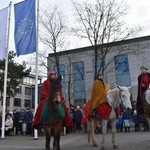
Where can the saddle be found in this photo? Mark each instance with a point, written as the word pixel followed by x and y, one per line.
pixel 50 115
pixel 104 110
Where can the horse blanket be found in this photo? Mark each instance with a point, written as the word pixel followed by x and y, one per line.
pixel 104 110
pixel 55 115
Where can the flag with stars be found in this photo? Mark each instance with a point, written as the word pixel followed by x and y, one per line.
pixel 25 27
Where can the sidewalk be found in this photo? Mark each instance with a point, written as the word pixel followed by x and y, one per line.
pixel 22 142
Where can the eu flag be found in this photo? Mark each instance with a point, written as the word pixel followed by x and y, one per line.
pixel 25 27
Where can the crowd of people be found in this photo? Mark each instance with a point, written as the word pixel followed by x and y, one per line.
pixel 75 119
pixel 18 122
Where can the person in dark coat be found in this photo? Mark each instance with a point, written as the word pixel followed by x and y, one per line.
pixel 126 119
pixel 16 122
pixel 136 121
pixel 77 117
pixel 28 117
pixel 119 123
pixel 143 84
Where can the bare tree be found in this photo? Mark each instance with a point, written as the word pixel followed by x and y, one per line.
pixel 69 81
pixel 53 28
pixel 100 23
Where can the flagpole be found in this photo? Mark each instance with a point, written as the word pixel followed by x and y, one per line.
pixel 36 70
pixel 5 77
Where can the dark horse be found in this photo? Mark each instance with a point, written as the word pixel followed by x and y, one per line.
pixel 54 110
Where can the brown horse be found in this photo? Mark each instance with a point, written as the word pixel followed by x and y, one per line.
pixel 53 115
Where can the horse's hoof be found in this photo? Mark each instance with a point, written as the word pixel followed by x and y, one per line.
pixel 56 148
pixel 95 145
pixel 47 148
pixel 115 146
pixel 103 148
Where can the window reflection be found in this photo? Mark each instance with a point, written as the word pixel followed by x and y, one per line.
pixel 122 70
pixel 78 82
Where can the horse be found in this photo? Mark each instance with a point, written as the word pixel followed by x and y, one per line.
pixel 115 97
pixel 53 115
pixel 146 105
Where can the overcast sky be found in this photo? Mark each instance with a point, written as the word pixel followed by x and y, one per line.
pixel 138 14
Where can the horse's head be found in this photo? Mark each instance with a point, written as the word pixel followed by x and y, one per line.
pixel 124 95
pixel 54 91
pixel 119 95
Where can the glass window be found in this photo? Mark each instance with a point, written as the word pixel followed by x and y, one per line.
pixel 80 102
pixel 79 92
pixel 78 71
pixel 27 103
pixel 99 62
pixel 62 73
pixel 122 70
pixel 27 91
pixel 98 65
pixel 17 102
pixel 18 90
pixel 7 101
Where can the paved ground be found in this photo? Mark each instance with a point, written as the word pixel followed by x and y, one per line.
pixel 126 141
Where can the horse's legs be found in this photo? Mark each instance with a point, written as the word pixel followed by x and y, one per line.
pixel 114 134
pixel 91 124
pixel 47 144
pixel 148 119
pixel 56 144
pixel 93 133
pixel 104 131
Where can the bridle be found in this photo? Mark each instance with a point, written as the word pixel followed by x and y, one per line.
pixel 115 104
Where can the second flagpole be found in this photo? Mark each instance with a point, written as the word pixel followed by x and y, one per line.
pixel 36 70
pixel 5 77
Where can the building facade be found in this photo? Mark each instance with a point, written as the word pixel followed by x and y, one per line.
pixel 25 94
pixel 77 67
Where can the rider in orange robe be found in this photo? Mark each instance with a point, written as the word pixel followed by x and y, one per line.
pixel 99 91
pixel 43 96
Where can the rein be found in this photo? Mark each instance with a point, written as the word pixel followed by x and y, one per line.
pixel 115 104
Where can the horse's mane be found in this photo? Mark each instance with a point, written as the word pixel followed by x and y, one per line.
pixel 114 93
pixel 55 86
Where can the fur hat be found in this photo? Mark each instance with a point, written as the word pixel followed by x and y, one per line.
pixel 144 67
pixel 52 72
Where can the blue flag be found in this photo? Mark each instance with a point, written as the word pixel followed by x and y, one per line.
pixel 25 27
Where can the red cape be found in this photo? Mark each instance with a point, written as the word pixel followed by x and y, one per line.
pixel 43 96
pixel 85 112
